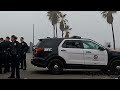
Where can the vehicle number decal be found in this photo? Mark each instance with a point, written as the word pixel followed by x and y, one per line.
pixel 47 49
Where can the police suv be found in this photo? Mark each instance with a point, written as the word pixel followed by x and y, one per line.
pixel 74 53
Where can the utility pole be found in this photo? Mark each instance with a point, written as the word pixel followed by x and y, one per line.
pixel 33 42
pixel 33 34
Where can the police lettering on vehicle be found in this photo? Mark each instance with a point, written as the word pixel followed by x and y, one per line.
pixel 47 49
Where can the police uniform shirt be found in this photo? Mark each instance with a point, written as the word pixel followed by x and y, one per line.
pixel 24 47
pixel 15 47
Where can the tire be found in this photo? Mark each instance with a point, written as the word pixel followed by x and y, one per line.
pixel 55 66
pixel 113 67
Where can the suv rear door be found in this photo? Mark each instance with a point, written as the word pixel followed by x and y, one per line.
pixel 71 51
pixel 49 46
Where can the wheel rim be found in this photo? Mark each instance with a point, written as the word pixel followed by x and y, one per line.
pixel 55 66
pixel 117 67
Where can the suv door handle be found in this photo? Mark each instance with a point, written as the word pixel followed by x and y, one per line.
pixel 63 50
pixel 88 52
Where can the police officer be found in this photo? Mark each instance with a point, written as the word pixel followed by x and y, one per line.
pixel 7 55
pixel 15 57
pixel 24 49
pixel 1 54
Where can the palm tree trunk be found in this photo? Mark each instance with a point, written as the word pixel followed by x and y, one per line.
pixel 62 33
pixel 56 31
pixel 113 36
pixel 53 30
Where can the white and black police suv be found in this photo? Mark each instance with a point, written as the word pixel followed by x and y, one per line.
pixel 74 53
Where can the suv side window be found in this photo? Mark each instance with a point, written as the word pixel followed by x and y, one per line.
pixel 90 45
pixel 72 44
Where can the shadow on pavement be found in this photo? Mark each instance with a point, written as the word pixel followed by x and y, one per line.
pixel 74 72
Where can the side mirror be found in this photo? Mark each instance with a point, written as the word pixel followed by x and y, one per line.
pixel 101 48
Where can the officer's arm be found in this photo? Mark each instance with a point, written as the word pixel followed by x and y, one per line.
pixel 18 48
pixel 26 47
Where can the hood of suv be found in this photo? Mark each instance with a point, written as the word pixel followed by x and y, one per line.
pixel 114 52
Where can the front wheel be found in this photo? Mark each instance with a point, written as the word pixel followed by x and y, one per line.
pixel 55 66
pixel 115 67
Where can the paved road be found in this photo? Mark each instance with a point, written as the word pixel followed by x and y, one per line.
pixel 33 72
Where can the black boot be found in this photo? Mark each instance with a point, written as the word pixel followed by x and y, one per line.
pixel 8 70
pixel 0 71
pixel 17 77
pixel 5 71
pixel 11 77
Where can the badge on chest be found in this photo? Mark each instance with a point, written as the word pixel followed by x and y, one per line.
pixel 22 43
pixel 15 44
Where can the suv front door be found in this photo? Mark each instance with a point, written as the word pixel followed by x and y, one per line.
pixel 93 55
pixel 71 51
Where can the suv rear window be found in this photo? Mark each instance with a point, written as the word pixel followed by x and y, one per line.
pixel 49 43
pixel 37 45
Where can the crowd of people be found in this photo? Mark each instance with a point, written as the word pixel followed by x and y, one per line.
pixel 13 56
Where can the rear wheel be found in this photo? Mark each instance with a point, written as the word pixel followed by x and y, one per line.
pixel 55 66
pixel 115 67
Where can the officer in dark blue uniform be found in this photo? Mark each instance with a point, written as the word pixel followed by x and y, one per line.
pixel 7 55
pixel 0 58
pixel 23 50
pixel 15 57
pixel 1 54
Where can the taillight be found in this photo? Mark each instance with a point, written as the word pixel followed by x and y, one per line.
pixel 38 50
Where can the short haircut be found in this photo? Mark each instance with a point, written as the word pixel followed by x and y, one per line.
pixel 22 38
pixel 8 37
pixel 13 36
pixel 1 38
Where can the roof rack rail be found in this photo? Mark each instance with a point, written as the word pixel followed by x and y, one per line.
pixel 76 37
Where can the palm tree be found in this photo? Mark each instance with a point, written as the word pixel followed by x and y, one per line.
pixel 67 28
pixel 54 18
pixel 63 23
pixel 109 16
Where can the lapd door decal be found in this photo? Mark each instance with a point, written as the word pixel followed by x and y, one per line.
pixel 95 57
